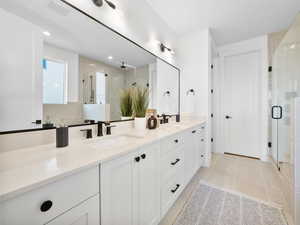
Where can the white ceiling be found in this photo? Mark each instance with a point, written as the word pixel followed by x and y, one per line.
pixel 229 20
pixel 76 32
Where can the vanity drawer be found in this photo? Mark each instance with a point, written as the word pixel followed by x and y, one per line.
pixel 172 143
pixel 171 161
pixel 170 191
pixel 41 205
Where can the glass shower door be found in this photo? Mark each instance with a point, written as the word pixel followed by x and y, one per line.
pixel 285 89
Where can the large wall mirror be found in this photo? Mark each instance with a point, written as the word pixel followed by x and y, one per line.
pixel 58 65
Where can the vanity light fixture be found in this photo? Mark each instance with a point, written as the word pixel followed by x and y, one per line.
pixel 163 48
pixel 99 3
pixel 47 33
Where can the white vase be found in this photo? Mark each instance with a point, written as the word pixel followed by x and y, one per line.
pixel 126 117
pixel 140 123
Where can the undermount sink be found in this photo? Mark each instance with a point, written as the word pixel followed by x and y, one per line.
pixel 112 141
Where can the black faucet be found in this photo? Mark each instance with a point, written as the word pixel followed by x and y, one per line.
pixel 165 118
pixel 89 133
pixel 108 128
pixel 100 128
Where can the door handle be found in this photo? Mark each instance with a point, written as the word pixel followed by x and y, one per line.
pixel 273 112
pixel 228 117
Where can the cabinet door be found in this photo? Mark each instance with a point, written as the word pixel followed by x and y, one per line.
pixel 148 186
pixel 118 191
pixel 190 155
pixel 87 213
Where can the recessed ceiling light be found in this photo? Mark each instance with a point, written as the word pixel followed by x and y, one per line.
pixel 46 33
pixel 110 57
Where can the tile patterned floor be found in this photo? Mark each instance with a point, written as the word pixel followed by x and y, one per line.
pixel 256 179
pixel 209 205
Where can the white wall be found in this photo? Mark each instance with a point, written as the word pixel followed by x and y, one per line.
pixel 136 20
pixel 72 60
pixel 20 69
pixel 256 44
pixel 167 78
pixel 194 59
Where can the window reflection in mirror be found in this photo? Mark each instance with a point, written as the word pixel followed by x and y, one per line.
pixel 54 82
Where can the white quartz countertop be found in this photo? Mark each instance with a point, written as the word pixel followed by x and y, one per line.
pixel 26 169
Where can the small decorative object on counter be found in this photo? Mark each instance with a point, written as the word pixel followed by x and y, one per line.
pixel 152 123
pixel 152 114
pixel 62 136
pixel 48 123
pixel 178 118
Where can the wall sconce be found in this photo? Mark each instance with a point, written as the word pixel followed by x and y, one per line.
pixel 167 93
pixel 192 91
pixel 163 48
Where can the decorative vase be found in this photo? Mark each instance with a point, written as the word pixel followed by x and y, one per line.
pixel 140 123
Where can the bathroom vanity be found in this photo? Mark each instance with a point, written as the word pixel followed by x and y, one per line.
pixel 121 179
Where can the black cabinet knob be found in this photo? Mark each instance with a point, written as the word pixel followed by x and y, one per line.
pixel 176 140
pixel 137 159
pixel 46 205
pixel 202 140
pixel 202 156
pixel 143 156
pixel 193 131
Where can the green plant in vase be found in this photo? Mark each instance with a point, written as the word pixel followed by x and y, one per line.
pixel 126 103
pixel 140 105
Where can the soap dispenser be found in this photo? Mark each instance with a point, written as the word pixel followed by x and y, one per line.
pixel 62 136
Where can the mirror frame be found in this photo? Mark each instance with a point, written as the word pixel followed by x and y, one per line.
pixel 124 37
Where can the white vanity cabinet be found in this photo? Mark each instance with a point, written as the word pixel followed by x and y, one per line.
pixel 71 200
pixel 130 188
pixel 194 151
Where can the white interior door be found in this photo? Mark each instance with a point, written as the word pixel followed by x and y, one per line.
pixel 241 103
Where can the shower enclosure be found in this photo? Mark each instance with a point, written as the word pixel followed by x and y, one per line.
pixel 285 91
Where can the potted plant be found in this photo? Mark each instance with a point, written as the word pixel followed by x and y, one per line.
pixel 140 105
pixel 126 104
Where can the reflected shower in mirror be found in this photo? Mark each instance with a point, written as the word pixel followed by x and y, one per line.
pixel 59 66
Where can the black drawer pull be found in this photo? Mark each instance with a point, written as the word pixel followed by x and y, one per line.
pixel 143 156
pixel 174 190
pixel 46 205
pixel 174 163
pixel 176 140
pixel 193 131
pixel 202 128
pixel 137 159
